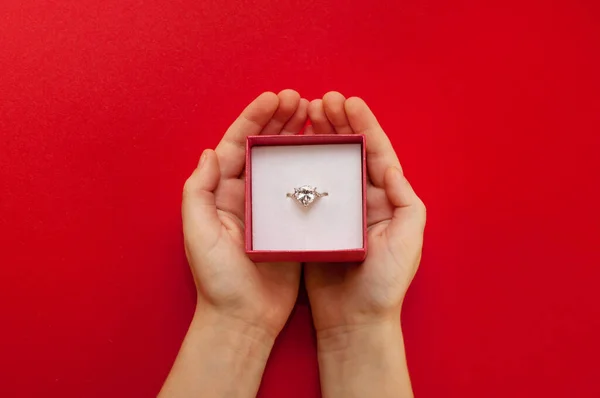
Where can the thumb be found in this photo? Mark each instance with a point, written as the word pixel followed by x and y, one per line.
pixel 199 210
pixel 408 221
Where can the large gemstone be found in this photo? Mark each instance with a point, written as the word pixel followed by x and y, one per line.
pixel 305 195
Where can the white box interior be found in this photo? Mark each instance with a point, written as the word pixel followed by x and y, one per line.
pixel 332 222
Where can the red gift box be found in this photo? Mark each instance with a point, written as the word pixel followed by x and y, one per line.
pixel 356 254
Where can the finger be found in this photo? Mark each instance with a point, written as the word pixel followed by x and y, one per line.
pixel 409 211
pixel 333 104
pixel 298 120
pixel 316 114
pixel 199 210
pixel 380 152
pixel 232 148
pixel 379 208
pixel 288 104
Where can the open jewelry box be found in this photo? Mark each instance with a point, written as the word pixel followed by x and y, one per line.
pixel 306 198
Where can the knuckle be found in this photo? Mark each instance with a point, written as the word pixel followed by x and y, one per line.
pixel 422 207
pixel 423 213
pixel 189 186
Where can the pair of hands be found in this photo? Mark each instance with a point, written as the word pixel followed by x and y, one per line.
pixel 343 297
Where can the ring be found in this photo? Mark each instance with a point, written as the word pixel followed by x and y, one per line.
pixel 306 195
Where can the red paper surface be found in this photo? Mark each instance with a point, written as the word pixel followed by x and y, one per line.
pixel 492 106
pixel 303 256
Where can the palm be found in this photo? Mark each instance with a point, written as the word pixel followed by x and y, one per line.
pixel 371 287
pixel 225 276
pixel 265 285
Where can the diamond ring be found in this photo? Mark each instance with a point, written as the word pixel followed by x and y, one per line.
pixel 306 195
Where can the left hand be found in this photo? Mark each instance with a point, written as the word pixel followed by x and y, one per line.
pixel 230 286
pixel 345 297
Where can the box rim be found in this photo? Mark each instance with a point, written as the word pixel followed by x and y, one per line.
pixel 288 140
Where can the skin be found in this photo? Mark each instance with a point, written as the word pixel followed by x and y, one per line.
pixel 356 307
pixel 242 306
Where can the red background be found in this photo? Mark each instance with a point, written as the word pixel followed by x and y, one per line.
pixel 493 107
